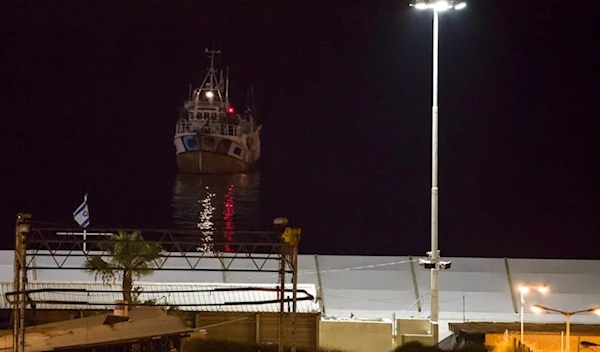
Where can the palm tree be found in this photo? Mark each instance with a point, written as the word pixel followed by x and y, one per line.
pixel 129 257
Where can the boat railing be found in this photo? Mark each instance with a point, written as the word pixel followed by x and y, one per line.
pixel 225 129
pixel 184 126
pixel 215 128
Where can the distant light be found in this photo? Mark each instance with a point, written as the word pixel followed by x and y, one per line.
pixel 536 309
pixel 230 110
pixel 596 311
pixel 281 221
pixel 210 94
pixel 524 289
pixel 460 6
pixel 441 5
pixel 421 6
pixel 543 289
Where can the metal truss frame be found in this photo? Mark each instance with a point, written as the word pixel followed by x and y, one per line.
pixel 33 240
pixel 256 248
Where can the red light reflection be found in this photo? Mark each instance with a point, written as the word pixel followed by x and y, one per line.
pixel 228 214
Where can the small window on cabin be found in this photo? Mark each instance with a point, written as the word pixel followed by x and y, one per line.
pixel 237 151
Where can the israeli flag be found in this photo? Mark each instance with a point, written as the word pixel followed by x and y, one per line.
pixel 82 215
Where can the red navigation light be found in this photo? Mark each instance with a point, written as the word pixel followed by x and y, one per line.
pixel 230 110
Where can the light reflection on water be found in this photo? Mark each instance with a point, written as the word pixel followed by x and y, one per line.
pixel 217 202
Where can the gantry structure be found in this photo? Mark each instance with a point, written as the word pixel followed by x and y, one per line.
pixel 249 251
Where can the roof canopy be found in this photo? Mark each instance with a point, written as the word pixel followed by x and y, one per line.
pixel 144 322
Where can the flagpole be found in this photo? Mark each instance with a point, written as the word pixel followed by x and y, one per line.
pixel 84 229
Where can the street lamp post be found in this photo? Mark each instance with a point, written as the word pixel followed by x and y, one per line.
pixel 433 261
pixel 538 308
pixel 523 290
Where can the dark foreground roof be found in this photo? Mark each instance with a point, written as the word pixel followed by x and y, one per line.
pixel 499 328
pixel 106 329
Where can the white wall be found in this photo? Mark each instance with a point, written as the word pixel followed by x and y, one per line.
pixel 379 286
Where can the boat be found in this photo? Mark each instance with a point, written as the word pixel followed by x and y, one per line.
pixel 211 137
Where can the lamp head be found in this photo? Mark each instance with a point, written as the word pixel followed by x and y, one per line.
pixel 536 308
pixel 461 5
pixel 543 289
pixel 439 5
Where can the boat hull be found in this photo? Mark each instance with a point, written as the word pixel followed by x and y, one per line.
pixel 216 154
pixel 210 163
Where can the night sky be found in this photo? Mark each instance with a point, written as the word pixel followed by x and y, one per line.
pixel 90 93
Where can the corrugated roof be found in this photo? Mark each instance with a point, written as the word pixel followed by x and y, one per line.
pixel 474 289
pixel 212 298
pixel 499 328
pixel 146 322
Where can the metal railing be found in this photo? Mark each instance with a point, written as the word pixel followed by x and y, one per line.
pixel 214 128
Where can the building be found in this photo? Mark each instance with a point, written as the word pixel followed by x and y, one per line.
pixel 225 311
pixel 396 287
pixel 543 337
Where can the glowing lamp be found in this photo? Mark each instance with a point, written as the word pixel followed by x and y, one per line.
pixel 210 94
pixel 441 5
pixel 230 110
pixel 460 6
pixel 537 309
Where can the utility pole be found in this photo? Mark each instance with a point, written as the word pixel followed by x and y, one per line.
pixel 289 256
pixel 20 281
pixel 433 262
pixel 291 236
pixel 16 287
pixel 281 338
pixel 280 224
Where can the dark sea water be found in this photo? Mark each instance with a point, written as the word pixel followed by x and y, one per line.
pixel 340 208
pixel 339 211
pixel 226 202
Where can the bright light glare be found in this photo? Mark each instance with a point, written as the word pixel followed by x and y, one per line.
pixel 596 311
pixel 441 5
pixel 523 289
pixel 536 309
pixel 210 94
pixel 460 6
pixel 543 289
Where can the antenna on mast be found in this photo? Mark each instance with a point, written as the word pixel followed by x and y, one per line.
pixel 250 107
pixel 211 82
pixel 211 55
pixel 250 99
pixel 227 87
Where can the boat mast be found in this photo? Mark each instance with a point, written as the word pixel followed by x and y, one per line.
pixel 227 88
pixel 210 82
pixel 250 106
